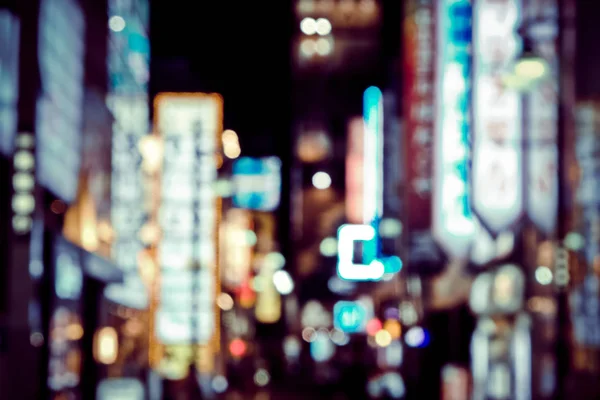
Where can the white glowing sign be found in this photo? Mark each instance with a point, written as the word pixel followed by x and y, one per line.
pixel 347 269
pixel 374 264
pixel 190 124
pixel 453 221
pixel 542 117
pixel 127 180
pixel 9 79
pixel 59 119
pixel 497 151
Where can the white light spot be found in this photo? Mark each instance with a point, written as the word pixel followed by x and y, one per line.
pixel 36 268
pixel 328 247
pixel 283 282
pixel 250 238
pixel 321 180
pixel 274 261
pixel 308 26
pixel 308 47
pixel 219 384
pixel 390 228
pixel 323 46
pixel 261 377
pixel 383 338
pixel 225 302
pixel 291 346
pixel 574 241
pixel 323 26
pixel 415 336
pixel 543 275
pixel 24 160
pixel 232 151
pixel 23 203
pixel 116 23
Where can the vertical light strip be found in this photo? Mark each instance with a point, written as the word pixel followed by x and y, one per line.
pixel 453 221
pixel 497 117
pixel 354 170
pixel 373 168
pixel 542 123
pixel 373 263
pixel 373 155
pixel 186 254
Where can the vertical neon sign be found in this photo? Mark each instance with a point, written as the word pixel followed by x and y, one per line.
pixel 497 150
pixel 373 166
pixel 374 264
pixel 453 221
pixel 542 121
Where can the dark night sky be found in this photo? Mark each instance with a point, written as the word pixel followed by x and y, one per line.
pixel 236 48
pixel 241 50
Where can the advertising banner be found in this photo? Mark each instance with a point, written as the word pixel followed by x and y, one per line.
pixel 542 120
pixel 418 70
pixel 9 79
pixel 128 213
pixel 59 120
pixel 453 221
pixel 497 169
pixel 190 125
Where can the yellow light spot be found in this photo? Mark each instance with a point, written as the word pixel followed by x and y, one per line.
pixel 383 338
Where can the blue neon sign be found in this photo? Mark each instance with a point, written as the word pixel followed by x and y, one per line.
pixel 454 224
pixel 257 183
pixel 349 316
pixel 374 263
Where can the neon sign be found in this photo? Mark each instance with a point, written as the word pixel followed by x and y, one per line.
pixel 453 221
pixel 374 264
pixel 542 120
pixel 497 153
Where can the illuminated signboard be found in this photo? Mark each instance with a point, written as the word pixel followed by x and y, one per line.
pixel 127 189
pixel 542 123
pixel 59 109
pixel 453 220
pixel 584 297
pixel 9 79
pixel 237 243
pixel 354 166
pixel 66 331
pixel 497 119
pixel 120 389
pixel 350 316
pixel 374 264
pixel 190 125
pixel 129 48
pixel 418 112
pixel 257 183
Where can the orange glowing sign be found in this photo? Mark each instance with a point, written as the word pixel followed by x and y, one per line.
pixel 354 171
pixel 183 304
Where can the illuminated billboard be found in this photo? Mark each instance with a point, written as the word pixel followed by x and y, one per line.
pixel 257 183
pixel 497 117
pixel 128 214
pixel 237 244
pixel 59 119
pixel 418 95
pixel 354 166
pixel 185 314
pixel 542 123
pixel 453 223
pixel 9 79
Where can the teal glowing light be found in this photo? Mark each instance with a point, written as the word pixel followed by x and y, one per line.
pixel 374 264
